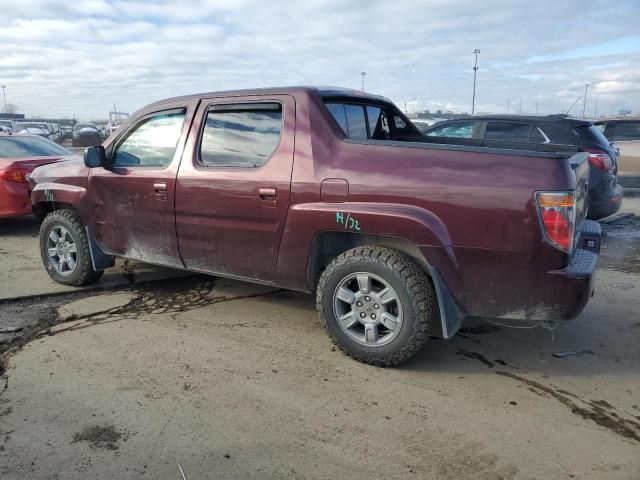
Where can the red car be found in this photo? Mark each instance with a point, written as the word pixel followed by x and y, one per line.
pixel 19 155
pixel 336 193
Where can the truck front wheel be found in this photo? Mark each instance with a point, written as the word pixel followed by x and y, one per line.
pixel 64 248
pixel 377 305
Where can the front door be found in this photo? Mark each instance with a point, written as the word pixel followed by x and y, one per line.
pixel 133 201
pixel 233 187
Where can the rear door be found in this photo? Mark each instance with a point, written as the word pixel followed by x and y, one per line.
pixel 133 201
pixel 233 187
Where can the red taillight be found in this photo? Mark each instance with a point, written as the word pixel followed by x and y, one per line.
pixel 558 215
pixel 600 160
pixel 558 228
pixel 13 175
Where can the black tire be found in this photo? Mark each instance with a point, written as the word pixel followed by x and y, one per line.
pixel 83 274
pixel 415 292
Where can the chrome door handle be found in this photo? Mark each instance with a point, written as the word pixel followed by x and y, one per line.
pixel 266 193
pixel 160 190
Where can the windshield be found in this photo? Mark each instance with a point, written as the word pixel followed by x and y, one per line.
pixel 16 147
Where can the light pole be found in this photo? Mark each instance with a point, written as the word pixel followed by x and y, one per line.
pixel 364 74
pixel 4 96
pixel 476 51
pixel 584 104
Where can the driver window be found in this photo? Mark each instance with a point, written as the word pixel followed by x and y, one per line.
pixel 152 143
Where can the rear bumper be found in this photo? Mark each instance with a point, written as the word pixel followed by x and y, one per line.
pixel 578 277
pixel 540 285
pixel 14 199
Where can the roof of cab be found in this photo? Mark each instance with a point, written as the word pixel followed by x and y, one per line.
pixel 332 92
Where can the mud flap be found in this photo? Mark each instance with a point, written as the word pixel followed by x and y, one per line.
pixel 450 315
pixel 99 259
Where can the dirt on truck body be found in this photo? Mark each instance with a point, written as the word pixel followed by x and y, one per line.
pixel 333 192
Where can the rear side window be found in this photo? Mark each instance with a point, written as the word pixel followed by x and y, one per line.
pixel 240 135
pixel 337 111
pixel 509 131
pixel 626 131
pixel 351 119
pixel 356 122
pixel 452 130
pixel 374 122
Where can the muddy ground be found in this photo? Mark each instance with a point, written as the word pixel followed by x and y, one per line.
pixel 222 379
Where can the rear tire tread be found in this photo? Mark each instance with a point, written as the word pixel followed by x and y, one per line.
pixel 419 288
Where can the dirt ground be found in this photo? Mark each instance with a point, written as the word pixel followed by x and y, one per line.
pixel 221 379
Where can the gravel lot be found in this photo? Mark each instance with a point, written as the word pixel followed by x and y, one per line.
pixel 228 380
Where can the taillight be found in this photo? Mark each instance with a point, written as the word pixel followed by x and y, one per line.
pixel 558 216
pixel 13 175
pixel 600 160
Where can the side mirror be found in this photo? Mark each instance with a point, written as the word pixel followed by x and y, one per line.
pixel 95 157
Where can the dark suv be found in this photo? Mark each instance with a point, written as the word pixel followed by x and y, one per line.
pixel 605 194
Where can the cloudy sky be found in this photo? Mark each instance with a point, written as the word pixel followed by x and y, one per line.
pixel 81 56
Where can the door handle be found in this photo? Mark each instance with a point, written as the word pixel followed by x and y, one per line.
pixel 160 190
pixel 268 194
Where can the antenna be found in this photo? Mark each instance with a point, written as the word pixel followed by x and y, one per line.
pixel 574 104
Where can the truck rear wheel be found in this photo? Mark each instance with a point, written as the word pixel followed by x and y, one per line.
pixel 64 248
pixel 377 305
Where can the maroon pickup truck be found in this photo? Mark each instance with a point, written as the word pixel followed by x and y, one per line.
pixel 333 192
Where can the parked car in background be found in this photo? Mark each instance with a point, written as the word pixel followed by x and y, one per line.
pixel 605 194
pixel 334 192
pixel 67 132
pixel 58 131
pixel 6 125
pixel 19 155
pixel 32 128
pixel 624 134
pixel 86 135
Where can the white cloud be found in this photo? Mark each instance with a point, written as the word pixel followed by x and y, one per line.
pixel 82 56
